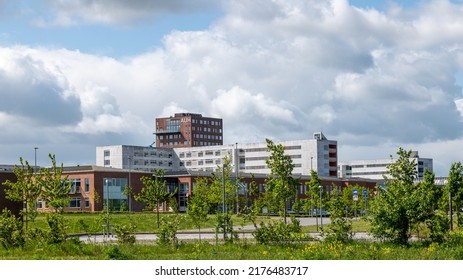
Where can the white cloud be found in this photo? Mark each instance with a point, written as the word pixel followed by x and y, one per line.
pixel 116 12
pixel 278 69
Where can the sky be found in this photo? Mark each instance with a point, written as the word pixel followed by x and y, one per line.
pixel 373 75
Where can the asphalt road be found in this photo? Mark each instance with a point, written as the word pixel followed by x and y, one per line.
pixel 208 234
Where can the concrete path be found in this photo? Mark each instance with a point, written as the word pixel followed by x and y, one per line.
pixel 206 234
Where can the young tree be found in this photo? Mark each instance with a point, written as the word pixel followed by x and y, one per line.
pixel 154 192
pixel 399 208
pixel 56 189
pixel 313 192
pixel 280 183
pixel 25 189
pixel 340 228
pixel 455 189
pixel 197 211
pixel 128 191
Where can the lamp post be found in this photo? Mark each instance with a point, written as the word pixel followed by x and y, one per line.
pixel 236 177
pixel 224 206
pixel 35 159
pixel 130 186
pixel 107 205
pixel 321 216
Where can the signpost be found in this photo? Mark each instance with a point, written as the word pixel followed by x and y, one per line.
pixel 365 197
pixel 355 197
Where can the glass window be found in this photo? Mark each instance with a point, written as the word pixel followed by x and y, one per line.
pixel 75 202
pixel 87 203
pixel 112 191
pixel 87 184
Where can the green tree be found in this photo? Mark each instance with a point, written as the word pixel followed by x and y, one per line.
pixel 128 191
pixel 280 183
pixel 340 227
pixel 25 190
pixel 56 189
pixel 154 192
pixel 455 189
pixel 399 209
pixel 197 211
pixel 313 192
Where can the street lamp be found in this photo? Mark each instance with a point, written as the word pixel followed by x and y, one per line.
pixel 107 205
pixel 224 206
pixel 35 159
pixel 321 216
pixel 130 190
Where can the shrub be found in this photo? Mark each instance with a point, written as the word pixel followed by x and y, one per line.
pixel 167 234
pixel 115 253
pixel 125 234
pixel 11 233
pixel 57 228
pixel 438 226
pixel 278 232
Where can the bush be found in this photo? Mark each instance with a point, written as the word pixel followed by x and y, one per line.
pixel 438 226
pixel 125 234
pixel 167 234
pixel 278 232
pixel 57 225
pixel 115 253
pixel 11 233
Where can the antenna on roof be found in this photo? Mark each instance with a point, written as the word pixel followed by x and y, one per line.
pixel 151 145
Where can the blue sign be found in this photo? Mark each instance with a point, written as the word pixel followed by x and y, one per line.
pixel 355 192
pixel 365 194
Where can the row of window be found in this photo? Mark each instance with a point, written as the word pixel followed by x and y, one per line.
pixel 207 136
pixel 207 122
pixel 265 158
pixel 75 202
pixel 200 154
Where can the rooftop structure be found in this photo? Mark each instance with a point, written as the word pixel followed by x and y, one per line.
pixel 319 154
pixel 377 169
pixel 188 130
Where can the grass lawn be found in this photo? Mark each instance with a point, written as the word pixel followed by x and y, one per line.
pixel 72 250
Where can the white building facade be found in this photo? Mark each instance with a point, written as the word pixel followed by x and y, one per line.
pixel 377 169
pixel 143 158
pixel 319 154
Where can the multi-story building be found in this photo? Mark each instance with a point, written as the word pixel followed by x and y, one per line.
pixel 188 130
pixel 319 154
pixel 144 158
pixel 94 187
pixel 378 169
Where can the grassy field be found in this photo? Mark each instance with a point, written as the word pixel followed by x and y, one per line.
pixel 242 249
pixel 73 250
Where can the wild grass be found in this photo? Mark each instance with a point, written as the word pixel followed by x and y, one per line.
pixel 75 250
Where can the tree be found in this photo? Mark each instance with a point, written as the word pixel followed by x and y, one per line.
pixel 399 209
pixel 313 192
pixel 128 191
pixel 197 211
pixel 455 189
pixel 154 192
pixel 340 228
pixel 25 189
pixel 56 189
pixel 280 182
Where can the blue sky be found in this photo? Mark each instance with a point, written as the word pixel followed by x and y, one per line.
pixel 373 75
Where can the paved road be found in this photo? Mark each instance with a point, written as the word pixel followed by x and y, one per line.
pixel 208 234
